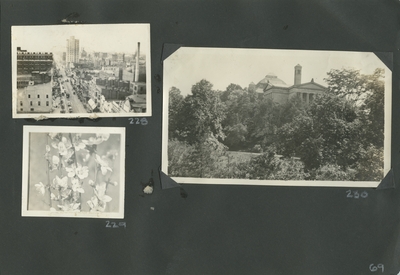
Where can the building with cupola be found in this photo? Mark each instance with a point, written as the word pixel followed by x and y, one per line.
pixel 277 90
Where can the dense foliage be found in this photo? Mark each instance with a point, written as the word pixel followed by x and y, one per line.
pixel 238 133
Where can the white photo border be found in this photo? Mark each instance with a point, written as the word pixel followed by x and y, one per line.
pixel 298 183
pixel 27 129
pixel 148 113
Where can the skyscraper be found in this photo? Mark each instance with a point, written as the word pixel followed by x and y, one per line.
pixel 72 50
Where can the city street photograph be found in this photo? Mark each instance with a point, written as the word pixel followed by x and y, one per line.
pixel 73 172
pixel 71 71
pixel 276 117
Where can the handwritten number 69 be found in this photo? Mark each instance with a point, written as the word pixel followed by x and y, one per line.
pixel 374 268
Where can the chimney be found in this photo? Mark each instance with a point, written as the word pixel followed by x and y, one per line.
pixel 137 63
pixel 297 75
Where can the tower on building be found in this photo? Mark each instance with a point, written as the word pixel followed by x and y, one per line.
pixel 297 74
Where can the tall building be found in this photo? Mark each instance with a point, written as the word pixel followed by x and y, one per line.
pixel 84 53
pixel 72 50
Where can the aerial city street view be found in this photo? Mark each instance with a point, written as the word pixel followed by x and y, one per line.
pixel 80 79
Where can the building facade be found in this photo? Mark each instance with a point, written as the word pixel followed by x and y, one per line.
pixel 277 90
pixel 72 50
pixel 28 62
pixel 35 98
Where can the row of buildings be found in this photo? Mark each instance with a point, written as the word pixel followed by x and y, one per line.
pixel 96 60
pixel 121 79
pixel 118 88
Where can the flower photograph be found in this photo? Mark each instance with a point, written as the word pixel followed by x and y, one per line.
pixel 276 117
pixel 73 172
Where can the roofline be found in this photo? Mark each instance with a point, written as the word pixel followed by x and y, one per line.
pixel 302 84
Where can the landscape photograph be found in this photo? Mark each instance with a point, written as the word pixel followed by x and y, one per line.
pixel 276 117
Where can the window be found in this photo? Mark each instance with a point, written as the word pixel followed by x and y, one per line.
pixel 47 103
pixel 32 109
pixel 21 104
pixel 22 109
pixel 38 103
pixel 29 96
pixel 38 96
pixel 47 96
pixel 31 103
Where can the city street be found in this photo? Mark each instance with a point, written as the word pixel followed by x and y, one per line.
pixel 76 104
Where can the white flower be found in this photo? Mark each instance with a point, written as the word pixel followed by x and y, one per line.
pixel 53 135
pixel 70 171
pixel 77 142
pixel 100 192
pixel 62 146
pixel 96 205
pixel 96 140
pixel 103 137
pixel 76 186
pixel 103 165
pixel 63 183
pixel 79 146
pixel 82 171
pixel 48 148
pixel 56 160
pixel 92 141
pixel 40 188
pixel 54 197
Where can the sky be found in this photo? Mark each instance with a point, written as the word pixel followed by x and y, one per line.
pixel 120 38
pixel 223 66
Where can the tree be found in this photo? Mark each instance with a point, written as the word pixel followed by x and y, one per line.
pixel 365 91
pixel 202 114
pixel 340 131
pixel 374 108
pixel 174 113
pixel 231 88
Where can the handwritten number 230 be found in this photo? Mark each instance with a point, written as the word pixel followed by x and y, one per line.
pixel 356 194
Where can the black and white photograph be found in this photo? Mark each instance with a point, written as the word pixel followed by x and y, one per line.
pixel 276 117
pixel 70 71
pixel 73 172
